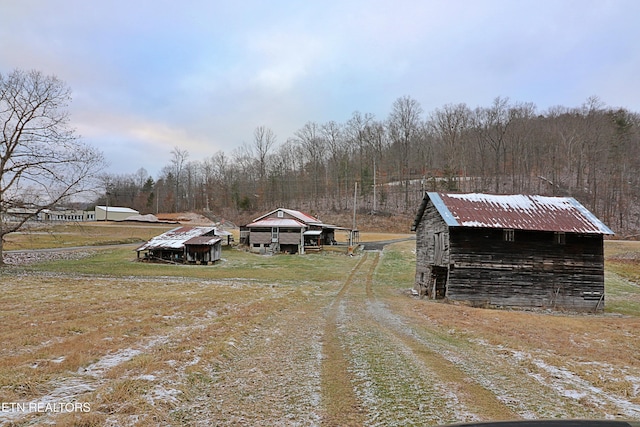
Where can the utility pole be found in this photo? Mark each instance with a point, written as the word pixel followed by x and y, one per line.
pixel 106 211
pixel 355 194
pixel 353 230
pixel 375 205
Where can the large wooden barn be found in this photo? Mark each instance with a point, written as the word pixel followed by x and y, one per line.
pixel 510 250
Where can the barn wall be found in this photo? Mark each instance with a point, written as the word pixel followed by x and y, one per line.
pixel 430 226
pixel 203 253
pixel 531 271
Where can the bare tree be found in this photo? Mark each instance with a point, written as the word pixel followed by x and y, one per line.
pixel 42 160
pixel 492 125
pixel 312 144
pixel 404 125
pixel 333 135
pixel 356 133
pixel 141 177
pixel 178 159
pixel 222 176
pixel 449 125
pixel 263 141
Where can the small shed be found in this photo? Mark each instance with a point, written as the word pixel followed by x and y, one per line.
pixel 196 245
pixel 510 250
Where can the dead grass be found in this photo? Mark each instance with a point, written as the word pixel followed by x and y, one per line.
pixel 302 340
pixel 340 403
pixel 42 236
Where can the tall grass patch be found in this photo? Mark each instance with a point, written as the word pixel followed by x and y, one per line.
pixel 397 266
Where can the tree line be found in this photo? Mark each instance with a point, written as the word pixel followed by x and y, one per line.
pixel 589 152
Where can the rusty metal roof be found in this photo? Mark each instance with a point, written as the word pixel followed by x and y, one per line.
pixel 277 222
pixel 203 240
pixel 518 212
pixel 300 216
pixel 176 238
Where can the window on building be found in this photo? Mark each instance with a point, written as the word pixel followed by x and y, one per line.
pixel 508 235
pixel 280 214
pixel 559 238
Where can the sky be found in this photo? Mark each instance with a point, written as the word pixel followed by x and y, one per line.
pixel 201 75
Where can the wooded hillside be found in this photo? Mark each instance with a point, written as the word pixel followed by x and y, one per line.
pixel 591 152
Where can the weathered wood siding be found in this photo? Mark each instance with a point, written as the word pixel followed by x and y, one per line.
pixel 432 245
pixel 203 253
pixel 531 271
pixel 534 270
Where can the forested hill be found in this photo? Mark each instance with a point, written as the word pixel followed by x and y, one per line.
pixel 591 153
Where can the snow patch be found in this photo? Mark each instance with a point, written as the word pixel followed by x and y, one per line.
pixel 570 385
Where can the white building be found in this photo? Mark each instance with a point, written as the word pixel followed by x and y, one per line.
pixel 114 213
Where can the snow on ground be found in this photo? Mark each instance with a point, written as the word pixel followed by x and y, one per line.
pixel 566 383
pixel 93 376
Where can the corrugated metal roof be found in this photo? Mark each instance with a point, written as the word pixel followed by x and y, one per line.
pixel 303 217
pixel 519 212
pixel 176 238
pixel 203 240
pixel 118 209
pixel 306 218
pixel 277 222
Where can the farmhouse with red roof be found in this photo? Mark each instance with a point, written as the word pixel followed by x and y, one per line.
pixel 287 230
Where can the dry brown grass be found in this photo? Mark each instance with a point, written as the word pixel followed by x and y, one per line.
pixel 41 236
pixel 58 328
pixel 344 342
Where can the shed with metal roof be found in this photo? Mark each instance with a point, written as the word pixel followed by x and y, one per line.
pixel 510 250
pixel 197 245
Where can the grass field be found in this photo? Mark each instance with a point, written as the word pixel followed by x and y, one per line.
pixel 83 234
pixel 320 339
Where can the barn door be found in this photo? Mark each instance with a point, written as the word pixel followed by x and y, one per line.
pixel 439 276
pixel 438 248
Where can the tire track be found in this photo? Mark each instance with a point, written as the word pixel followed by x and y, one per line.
pixel 340 403
pixel 480 402
pixel 465 397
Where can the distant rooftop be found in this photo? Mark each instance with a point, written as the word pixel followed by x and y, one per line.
pixel 117 209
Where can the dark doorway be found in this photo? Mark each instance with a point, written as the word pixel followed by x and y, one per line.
pixel 439 277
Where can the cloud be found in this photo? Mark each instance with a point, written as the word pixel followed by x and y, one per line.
pixel 149 75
